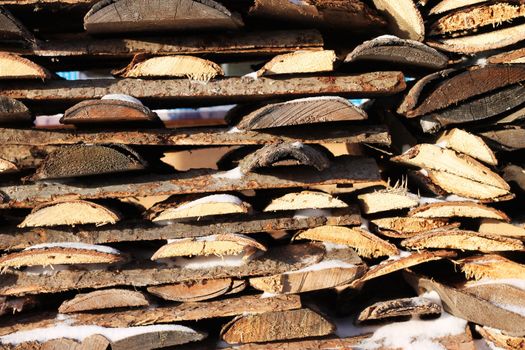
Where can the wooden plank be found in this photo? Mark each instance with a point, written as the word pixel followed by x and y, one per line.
pixel 196 136
pixel 14 238
pixel 278 260
pixel 344 170
pixel 227 90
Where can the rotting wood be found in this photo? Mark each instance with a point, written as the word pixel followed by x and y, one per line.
pixel 299 62
pixel 457 209
pixel 103 299
pixel 511 138
pixel 386 200
pixel 13 111
pixel 305 200
pixel 464 142
pixel 403 17
pixel 16 67
pixel 142 231
pixel 193 290
pixel 491 266
pixel 303 111
pixel 399 308
pixel 277 260
pixel 277 325
pixel 496 227
pixel 405 227
pixel 123 16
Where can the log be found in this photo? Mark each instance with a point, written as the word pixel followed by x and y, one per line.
pixel 344 170
pixel 462 240
pixel 305 200
pixel 464 142
pixel 11 30
pixel 299 62
pixel 386 200
pixel 511 138
pixel 278 260
pixel 303 111
pixel 192 291
pixel 508 57
pixel 399 308
pixel 449 5
pixel 141 231
pixel 507 296
pixel 227 90
pixel 7 167
pixel 103 299
pixel 405 227
pixel 124 16
pixel 365 243
pixel 330 343
pixel 278 325
pixel 401 52
pixel 496 227
pixel 70 213
pixel 457 209
pixel 491 266
pixel 95 342
pixel 16 67
pixel 404 19
pixel 13 111
pixel 176 66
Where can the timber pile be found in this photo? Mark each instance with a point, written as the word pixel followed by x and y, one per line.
pixel 363 192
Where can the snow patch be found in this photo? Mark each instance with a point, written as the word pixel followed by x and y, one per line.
pixel 209 262
pixel 429 125
pixel 76 245
pixel 252 75
pixel 311 213
pixel 267 295
pixel 234 130
pixel 297 144
pixel 442 144
pixel 233 174
pixel 329 246
pixel 122 97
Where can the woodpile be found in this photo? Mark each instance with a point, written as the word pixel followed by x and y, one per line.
pixel 262 174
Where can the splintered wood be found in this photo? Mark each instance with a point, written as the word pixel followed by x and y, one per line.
pixel 273 174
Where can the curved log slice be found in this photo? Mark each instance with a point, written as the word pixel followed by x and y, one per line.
pixel 110 109
pixel 176 66
pixel 305 200
pixel 462 240
pixel 365 243
pixel 449 5
pixel 496 227
pixel 464 142
pixel 393 50
pixel 219 245
pixel 399 308
pixel 62 254
pixel 188 207
pixel 13 111
pixel 339 266
pixel 404 18
pixel 303 111
pixel 123 16
pixel 16 67
pixel 299 62
pixel 11 30
pixel 192 291
pixel 465 209
pixel 501 340
pixel 7 167
pixel 405 227
pixel 88 160
pixel 104 299
pixel 70 213
pixel 286 153
pixel 386 200
pixel 277 325
pixel 491 266
pixel 508 57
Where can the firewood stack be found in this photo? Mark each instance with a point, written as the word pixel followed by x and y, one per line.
pixel 359 183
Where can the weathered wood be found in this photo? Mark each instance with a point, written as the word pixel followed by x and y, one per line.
pixel 405 53
pixel 399 308
pixel 157 339
pixel 95 342
pixel 496 227
pixel 16 67
pixel 122 16
pixel 142 231
pixel 457 209
pixel 103 299
pixel 405 227
pixel 491 266
pixel 13 111
pixel 277 325
pixel 305 200
pixel 511 138
pixel 464 142
pixel 404 19
pixel 277 260
pixel 299 62
pixel 193 290
pixel 227 90
pixel 318 344
pixel 386 200
pixel 508 57
pixel 12 30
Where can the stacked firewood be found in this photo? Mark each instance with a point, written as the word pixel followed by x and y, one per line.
pixel 330 191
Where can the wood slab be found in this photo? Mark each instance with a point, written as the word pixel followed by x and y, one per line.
pixel 404 19
pixel 299 62
pixel 491 266
pixel 16 67
pixel 192 291
pixel 464 142
pixel 13 111
pixel 103 299
pixel 511 138
pixel 464 209
pixel 448 5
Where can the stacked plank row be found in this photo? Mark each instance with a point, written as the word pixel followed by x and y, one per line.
pixel 363 192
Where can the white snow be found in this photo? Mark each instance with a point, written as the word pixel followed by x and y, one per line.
pixel 423 172
pixel 329 246
pixel 323 265
pixel 252 75
pixel 402 254
pixel 297 144
pixel 76 245
pixel 122 97
pixel 266 295
pixel 233 174
pixel 209 262
pixel 234 130
pixel 365 224
pixel 214 198
pixel 79 333
pixel 311 213
pixel 517 309
pixel 456 198
pixel 442 144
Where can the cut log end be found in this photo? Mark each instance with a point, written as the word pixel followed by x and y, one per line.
pixel 300 62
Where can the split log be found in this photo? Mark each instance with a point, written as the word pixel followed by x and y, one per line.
pixel 508 57
pixel 140 231
pixel 457 209
pixel 192 291
pixel 249 304
pixel 219 245
pixel 62 254
pixel 87 160
pixel 404 18
pixel 158 339
pixel 329 343
pixel 511 138
pixel 277 260
pixel 504 295
pixel 365 243
pixel 496 227
pixel 197 207
pixel 278 325
pixel 177 66
pixel 464 142
pixel 501 340
pixel 405 227
pixel 108 111
pixel 305 200
pixel 227 90
pixel 348 15
pixel 303 111
pixel 449 5
pixel 11 30
pixel 405 53
pixel 399 308
pixel 7 167
pixel 463 240
pixel 16 67
pixel 71 213
pixel 13 111
pixel 339 266
pixel 123 16
pixel 296 153
pixel 491 267
pixel 386 200
pixel 299 62
pixel 103 299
